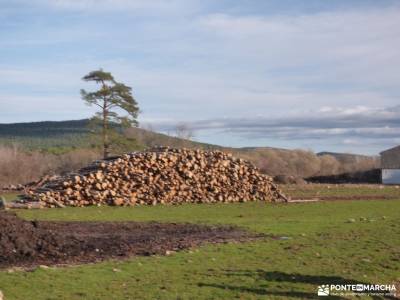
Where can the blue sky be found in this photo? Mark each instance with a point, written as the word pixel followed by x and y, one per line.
pixel 315 74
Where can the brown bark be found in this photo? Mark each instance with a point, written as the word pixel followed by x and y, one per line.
pixel 106 144
pixel 105 133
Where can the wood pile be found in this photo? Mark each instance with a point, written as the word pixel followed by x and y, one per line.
pixel 159 176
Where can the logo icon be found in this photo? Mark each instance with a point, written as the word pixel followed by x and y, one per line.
pixel 323 290
pixel 359 287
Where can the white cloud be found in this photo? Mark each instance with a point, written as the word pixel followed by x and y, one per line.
pixel 368 122
pixel 51 79
pixel 138 6
pixel 340 46
pixel 27 108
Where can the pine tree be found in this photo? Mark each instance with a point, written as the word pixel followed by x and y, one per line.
pixel 111 96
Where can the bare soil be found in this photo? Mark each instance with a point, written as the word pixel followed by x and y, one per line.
pixel 32 243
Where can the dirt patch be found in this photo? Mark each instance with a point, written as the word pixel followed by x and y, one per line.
pixel 28 244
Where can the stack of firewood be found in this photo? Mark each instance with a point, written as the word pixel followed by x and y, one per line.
pixel 159 176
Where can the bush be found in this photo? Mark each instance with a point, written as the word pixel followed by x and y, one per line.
pixel 302 163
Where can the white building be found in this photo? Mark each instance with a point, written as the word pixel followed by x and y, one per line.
pixel 390 165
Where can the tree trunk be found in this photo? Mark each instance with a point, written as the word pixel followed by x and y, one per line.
pixel 105 133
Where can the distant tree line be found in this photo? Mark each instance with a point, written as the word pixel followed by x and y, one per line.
pixel 44 129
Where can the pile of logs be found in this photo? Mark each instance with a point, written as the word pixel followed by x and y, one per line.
pixel 159 176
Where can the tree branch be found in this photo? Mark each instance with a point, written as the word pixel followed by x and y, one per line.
pixel 98 105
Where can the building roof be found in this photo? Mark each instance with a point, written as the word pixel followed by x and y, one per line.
pixel 391 149
pixel 390 159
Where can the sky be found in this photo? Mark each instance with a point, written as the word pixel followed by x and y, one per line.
pixel 313 74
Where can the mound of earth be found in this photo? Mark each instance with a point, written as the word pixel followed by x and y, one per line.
pixel 31 243
pixel 160 176
pixel 24 242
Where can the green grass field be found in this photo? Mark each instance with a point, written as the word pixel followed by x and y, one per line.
pixel 343 191
pixel 324 242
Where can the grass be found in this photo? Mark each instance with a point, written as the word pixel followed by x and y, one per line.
pixel 324 242
pixel 9 196
pixel 345 191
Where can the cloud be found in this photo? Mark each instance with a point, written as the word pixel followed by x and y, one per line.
pixel 137 6
pixel 323 124
pixel 28 108
pixel 338 47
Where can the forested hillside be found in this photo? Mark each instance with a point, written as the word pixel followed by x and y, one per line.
pixel 46 129
pixel 46 136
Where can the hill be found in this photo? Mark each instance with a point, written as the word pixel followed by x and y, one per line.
pixel 44 129
pixel 48 136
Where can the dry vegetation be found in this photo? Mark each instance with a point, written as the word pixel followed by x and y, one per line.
pixel 302 163
pixel 18 166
